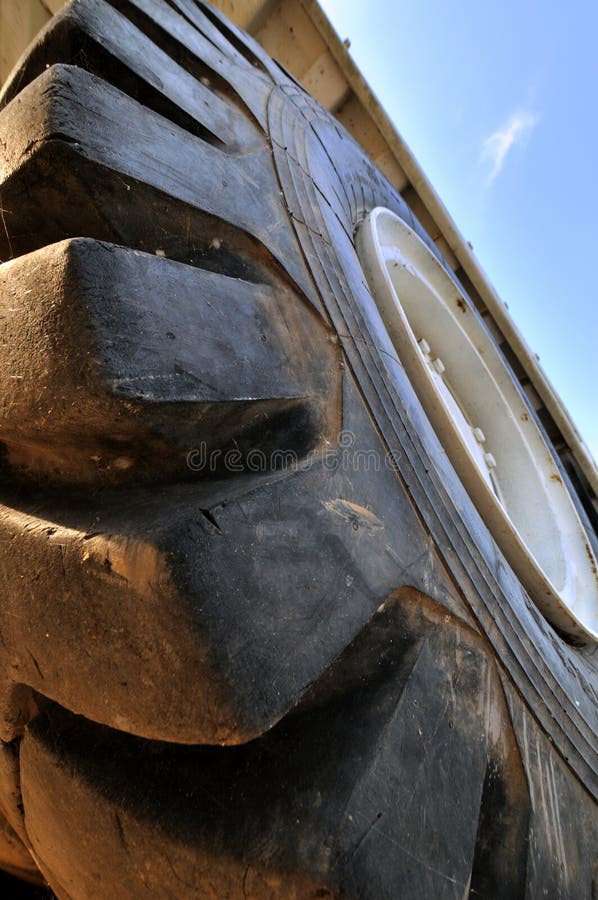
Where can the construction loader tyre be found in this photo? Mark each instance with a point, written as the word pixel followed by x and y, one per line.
pixel 257 638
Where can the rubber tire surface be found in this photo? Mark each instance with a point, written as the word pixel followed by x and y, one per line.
pixel 304 668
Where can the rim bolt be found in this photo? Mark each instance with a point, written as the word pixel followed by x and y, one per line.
pixel 439 366
pixel 424 346
pixel 479 435
pixel 490 461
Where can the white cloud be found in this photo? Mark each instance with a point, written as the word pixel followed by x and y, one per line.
pixel 516 129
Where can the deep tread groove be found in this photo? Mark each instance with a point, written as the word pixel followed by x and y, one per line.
pixel 69 42
pixel 178 51
pixel 226 33
pixel 499 868
pixel 202 26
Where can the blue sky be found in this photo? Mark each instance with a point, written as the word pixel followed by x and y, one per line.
pixel 498 103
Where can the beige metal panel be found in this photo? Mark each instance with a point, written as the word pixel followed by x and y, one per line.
pixel 423 215
pixel 533 396
pixel 493 327
pixel 20 20
pixel 289 35
pixel 247 14
pixel 325 81
pixel 450 258
pixel 53 6
pixel 358 122
pixel 388 163
pixel 416 204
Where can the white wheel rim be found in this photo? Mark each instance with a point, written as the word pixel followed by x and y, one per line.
pixel 477 411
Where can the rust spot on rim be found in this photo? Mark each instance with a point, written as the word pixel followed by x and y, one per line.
pixel 591 558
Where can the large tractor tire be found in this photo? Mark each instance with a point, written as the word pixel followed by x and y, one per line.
pixel 257 639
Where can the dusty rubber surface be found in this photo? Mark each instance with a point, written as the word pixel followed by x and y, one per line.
pixel 256 640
